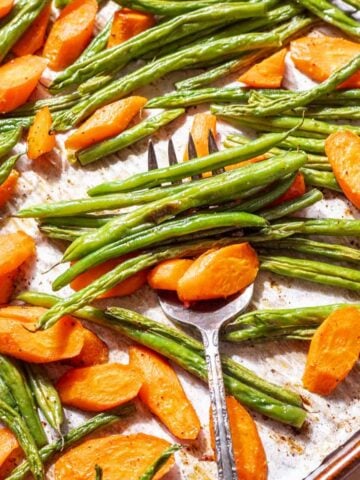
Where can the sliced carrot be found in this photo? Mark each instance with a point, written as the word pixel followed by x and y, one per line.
pixel 127 287
pixel 334 350
pixel 164 395
pixel 7 287
pixel 106 122
pixel 7 188
pixel 5 7
pixel 34 37
pixel 267 74
pixel 128 23
pixel 296 189
pixel 99 387
pixel 319 57
pixel 71 33
pixel 343 150
pixel 120 457
pixel 219 273
pixel 249 452
pixel 40 140
pixel 166 275
pixel 203 123
pixel 244 163
pixel 24 314
pixel 10 452
pixel 15 249
pixel 94 351
pixel 18 79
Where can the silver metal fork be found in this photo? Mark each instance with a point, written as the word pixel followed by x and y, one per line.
pixel 208 317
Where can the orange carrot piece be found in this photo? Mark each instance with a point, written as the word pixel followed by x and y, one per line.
pixel 164 395
pixel 334 350
pixel 244 163
pixel 99 387
pixel 5 7
pixel 120 457
pixel 7 188
pixel 7 287
pixel 94 351
pixel 128 23
pixel 296 189
pixel 249 452
pixel 267 74
pixel 24 314
pixel 319 57
pixel 18 79
pixel 202 124
pixel 15 249
pixel 10 452
pixel 34 37
pixel 40 140
pixel 127 287
pixel 166 275
pixel 343 149
pixel 71 33
pixel 106 122
pixel 219 273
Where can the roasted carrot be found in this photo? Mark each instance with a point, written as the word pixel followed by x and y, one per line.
pixel 202 124
pixel 164 395
pixel 99 387
pixel 10 451
pixel 15 249
pixel 5 7
pixel 128 23
pixel 267 74
pixel 166 275
pixel 219 273
pixel 106 122
pixel 343 150
pixel 7 286
pixel 34 37
pixel 120 457
pixel 127 287
pixel 18 79
pixel 94 351
pixel 334 350
pixel 296 189
pixel 249 452
pixel 319 57
pixel 71 33
pixel 23 314
pixel 8 187
pixel 40 139
pixel 259 158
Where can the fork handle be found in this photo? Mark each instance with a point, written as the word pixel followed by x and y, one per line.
pixel 224 449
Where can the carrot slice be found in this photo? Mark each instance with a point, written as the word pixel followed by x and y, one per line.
pixel 5 7
pixel 164 395
pixel 259 158
pixel 40 140
pixel 24 314
pixel 319 57
pixel 166 275
pixel 296 189
pixel 120 457
pixel 71 33
pixel 334 350
pixel 15 249
pixel 267 74
pixel 18 79
pixel 34 37
pixel 94 351
pixel 127 287
pixel 219 273
pixel 10 452
pixel 99 387
pixel 7 188
pixel 249 452
pixel 106 122
pixel 7 286
pixel 343 149
pixel 202 124
pixel 128 23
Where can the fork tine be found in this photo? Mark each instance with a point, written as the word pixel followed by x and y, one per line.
pixel 173 159
pixel 192 154
pixel 152 160
pixel 213 148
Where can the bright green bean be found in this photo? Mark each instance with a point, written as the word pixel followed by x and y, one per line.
pixel 7 166
pixel 292 206
pixel 320 179
pixel 160 462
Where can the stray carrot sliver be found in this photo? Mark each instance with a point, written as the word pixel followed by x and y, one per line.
pixel 267 74
pixel 334 350
pixel 296 189
pixel 15 249
pixel 120 457
pixel 94 351
pixel 202 124
pixel 128 23
pixel 10 452
pixel 164 395
pixel 40 140
pixel 34 37
pixel 5 7
pixel 7 287
pixel 166 275
pixel 99 387
pixel 8 187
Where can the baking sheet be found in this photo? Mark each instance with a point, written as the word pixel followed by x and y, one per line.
pixel 291 454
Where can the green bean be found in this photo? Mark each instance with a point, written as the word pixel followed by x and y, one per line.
pixel 46 396
pixel 16 383
pixel 81 221
pixel 7 166
pixel 321 179
pixel 323 226
pixel 54 104
pixel 66 234
pixel 333 113
pixel 142 130
pixel 354 3
pixel 6 395
pixel 167 231
pixel 47 453
pixel 98 44
pixel 98 473
pixel 9 140
pixel 292 206
pixel 16 424
pixel 160 462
